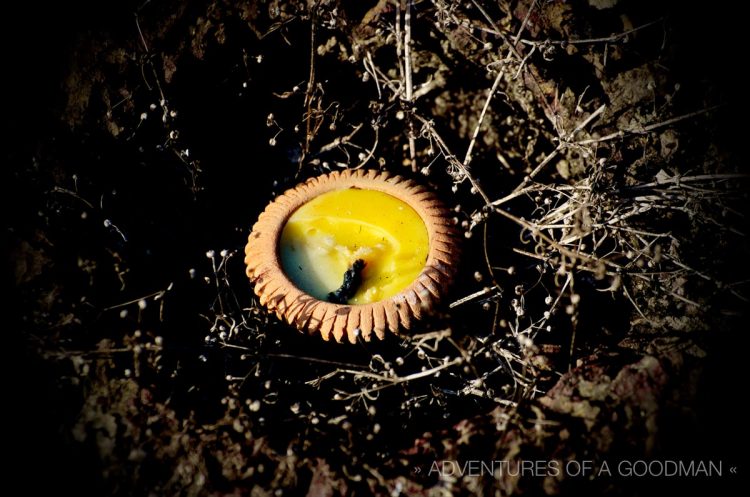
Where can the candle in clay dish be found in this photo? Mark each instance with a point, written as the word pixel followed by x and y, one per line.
pixel 352 253
pixel 323 239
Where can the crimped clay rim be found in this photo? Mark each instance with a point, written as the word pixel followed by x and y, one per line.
pixel 280 295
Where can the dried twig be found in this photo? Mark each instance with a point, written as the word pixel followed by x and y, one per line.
pixel 309 91
pixel 406 5
pixel 430 130
pixel 490 93
pixel 605 39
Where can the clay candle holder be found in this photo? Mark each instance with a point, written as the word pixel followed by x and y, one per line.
pixel 352 253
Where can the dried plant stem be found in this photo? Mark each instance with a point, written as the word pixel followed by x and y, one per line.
pixel 310 85
pixel 409 86
pixel 496 82
pixel 605 39
pixel 648 128
pixel 392 381
pixel 482 115
pixel 428 126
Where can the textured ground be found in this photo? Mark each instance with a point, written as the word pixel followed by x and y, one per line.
pixel 590 151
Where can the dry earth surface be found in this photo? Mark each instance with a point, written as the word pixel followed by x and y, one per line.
pixel 590 151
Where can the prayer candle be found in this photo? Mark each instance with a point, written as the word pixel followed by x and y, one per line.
pixel 352 254
pixel 322 240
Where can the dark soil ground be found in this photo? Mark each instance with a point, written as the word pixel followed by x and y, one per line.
pixel 602 291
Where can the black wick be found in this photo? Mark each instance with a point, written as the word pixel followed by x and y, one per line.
pixel 352 282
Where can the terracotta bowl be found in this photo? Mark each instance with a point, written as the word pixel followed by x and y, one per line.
pixel 280 295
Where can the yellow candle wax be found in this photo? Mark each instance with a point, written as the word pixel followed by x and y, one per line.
pixel 324 238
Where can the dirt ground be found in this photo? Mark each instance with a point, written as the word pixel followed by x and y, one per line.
pixel 589 150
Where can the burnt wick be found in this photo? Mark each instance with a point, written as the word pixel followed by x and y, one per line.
pixel 352 282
